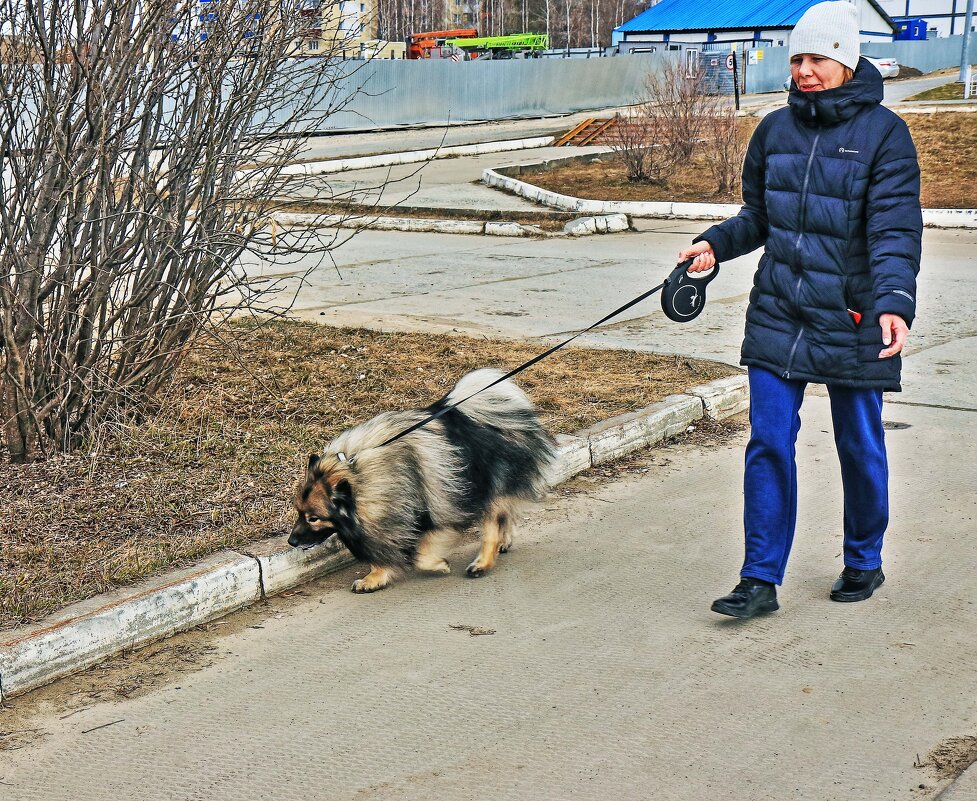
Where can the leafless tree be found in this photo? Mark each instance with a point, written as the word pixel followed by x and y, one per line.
pixel 396 19
pixel 144 146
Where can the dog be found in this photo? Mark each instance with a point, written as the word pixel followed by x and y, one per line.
pixel 401 505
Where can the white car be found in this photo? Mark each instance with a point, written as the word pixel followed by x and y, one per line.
pixel 888 66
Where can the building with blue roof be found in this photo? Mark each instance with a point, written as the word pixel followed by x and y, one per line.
pixel 674 24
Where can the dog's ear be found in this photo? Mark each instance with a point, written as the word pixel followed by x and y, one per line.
pixel 342 497
pixel 313 463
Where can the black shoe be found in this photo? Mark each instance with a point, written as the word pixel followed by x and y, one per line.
pixel 856 585
pixel 750 597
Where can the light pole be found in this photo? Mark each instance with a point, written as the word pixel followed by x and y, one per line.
pixel 568 28
pixel 964 55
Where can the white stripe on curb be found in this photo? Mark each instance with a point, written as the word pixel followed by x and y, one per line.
pixel 584 226
pixel 414 156
pixel 622 435
pixel 724 397
pixel 88 632
pixel 950 218
pixel 633 208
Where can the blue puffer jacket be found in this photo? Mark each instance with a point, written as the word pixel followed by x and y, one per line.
pixel 831 189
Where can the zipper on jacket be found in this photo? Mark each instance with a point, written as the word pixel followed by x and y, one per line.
pixel 797 245
pixel 793 350
pixel 800 331
pixel 807 179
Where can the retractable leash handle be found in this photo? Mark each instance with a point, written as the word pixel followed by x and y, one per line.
pixel 684 293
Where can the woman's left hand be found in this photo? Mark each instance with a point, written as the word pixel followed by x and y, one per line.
pixel 894 334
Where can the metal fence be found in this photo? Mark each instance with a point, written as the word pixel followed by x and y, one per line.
pixel 391 93
pixel 767 74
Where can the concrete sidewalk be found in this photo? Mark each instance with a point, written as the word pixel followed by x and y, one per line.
pixel 599 672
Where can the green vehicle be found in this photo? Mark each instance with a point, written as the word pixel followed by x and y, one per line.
pixel 497 47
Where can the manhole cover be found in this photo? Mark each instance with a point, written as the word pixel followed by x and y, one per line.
pixel 891 425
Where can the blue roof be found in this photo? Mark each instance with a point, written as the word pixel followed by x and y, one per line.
pixel 687 15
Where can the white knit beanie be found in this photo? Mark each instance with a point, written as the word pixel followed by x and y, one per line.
pixel 828 29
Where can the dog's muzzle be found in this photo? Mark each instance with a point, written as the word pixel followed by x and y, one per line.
pixel 306 537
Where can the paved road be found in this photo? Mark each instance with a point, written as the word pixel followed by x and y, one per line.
pixel 606 675
pixel 543 288
pixel 452 182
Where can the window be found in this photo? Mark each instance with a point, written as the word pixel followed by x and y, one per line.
pixel 313 44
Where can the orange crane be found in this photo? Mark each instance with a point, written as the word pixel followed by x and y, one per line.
pixel 419 44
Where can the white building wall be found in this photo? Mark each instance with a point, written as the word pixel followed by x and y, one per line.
pixel 946 16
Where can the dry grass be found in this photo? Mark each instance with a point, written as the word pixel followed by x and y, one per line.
pixel 947 147
pixel 606 179
pixel 946 142
pixel 211 467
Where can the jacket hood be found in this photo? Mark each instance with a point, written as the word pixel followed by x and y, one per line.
pixel 841 103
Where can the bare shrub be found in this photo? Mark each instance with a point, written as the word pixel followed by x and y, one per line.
pixel 144 149
pixel 669 123
pixel 637 141
pixel 680 101
pixel 724 148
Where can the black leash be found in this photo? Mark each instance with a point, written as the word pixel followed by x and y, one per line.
pixel 684 297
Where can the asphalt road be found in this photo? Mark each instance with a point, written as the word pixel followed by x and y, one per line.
pixel 544 288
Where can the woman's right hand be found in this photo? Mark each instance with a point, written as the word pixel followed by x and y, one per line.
pixel 702 255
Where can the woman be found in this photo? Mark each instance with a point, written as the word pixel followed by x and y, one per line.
pixel 831 190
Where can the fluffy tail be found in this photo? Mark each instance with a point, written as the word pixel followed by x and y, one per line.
pixel 503 403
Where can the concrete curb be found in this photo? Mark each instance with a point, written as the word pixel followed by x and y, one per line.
pixel 901 109
pixel 963 788
pixel 498 178
pixel 584 226
pixel 90 631
pixel 87 632
pixel 414 156
pixel 665 209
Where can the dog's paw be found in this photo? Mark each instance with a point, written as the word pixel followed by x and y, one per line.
pixel 436 566
pixel 376 579
pixel 362 585
pixel 478 568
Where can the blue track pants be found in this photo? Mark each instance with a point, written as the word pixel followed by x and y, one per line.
pixel 770 485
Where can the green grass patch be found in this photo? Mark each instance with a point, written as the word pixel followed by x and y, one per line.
pixel 948 91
